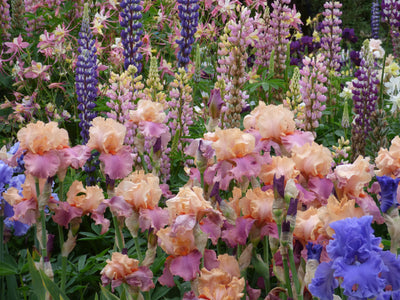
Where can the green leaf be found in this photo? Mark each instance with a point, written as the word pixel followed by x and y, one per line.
pixel 107 295
pixel 55 292
pixel 81 262
pixel 260 266
pixel 160 292
pixel 8 266
pixel 37 284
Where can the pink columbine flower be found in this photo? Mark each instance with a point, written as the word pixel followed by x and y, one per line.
pixel 37 70
pixel 17 45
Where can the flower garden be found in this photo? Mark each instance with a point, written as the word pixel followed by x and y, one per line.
pixel 216 149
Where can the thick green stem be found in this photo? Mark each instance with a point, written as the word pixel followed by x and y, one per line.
pixel 287 275
pixel 44 233
pixel 294 275
pixel 266 261
pixel 63 258
pixel 138 250
pixel 118 234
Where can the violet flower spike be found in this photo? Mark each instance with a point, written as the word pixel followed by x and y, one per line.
pixel 86 76
pixel 189 16
pixel 131 33
pixel 375 19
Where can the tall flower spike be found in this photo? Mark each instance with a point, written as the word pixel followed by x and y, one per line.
pixel 313 91
pixel 365 95
pixel 86 76
pixel 5 20
pixel 391 15
pixel 375 19
pixel 189 16
pixel 132 30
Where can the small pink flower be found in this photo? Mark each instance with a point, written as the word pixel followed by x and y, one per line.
pixel 37 70
pixel 17 45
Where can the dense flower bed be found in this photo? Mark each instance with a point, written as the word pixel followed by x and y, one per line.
pixel 198 150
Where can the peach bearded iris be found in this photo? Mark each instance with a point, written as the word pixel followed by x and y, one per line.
pixel 272 121
pixel 312 160
pixel 388 162
pixel 236 155
pixel 46 150
pixel 122 269
pixel 222 282
pixel 107 136
pixel 81 201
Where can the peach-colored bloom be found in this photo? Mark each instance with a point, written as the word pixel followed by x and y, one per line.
pixel 140 190
pixel 257 204
pixel 308 225
pixel 86 199
pixel 376 48
pixel 39 137
pixel 271 121
pixel 148 111
pixel 335 211
pixel 388 162
pixel 176 244
pixel 232 143
pixel 312 159
pixel 222 283
pixel 279 166
pixel 106 135
pixel 188 201
pixel 121 269
pixel 352 178
pixel 120 266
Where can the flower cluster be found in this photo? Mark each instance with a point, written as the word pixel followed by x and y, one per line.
pixel 375 19
pixel 313 90
pixel 86 76
pixel 189 17
pixel 132 31
pixel 365 95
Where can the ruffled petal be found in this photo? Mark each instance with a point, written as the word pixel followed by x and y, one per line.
pixel 324 283
pixel 238 233
pixel 186 266
pixel 119 165
pixel 42 166
pixel 156 218
pixel 64 213
pixel 142 278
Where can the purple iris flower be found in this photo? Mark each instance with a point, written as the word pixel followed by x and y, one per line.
pixel 366 270
pixel 388 192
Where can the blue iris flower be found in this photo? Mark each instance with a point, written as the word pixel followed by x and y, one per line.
pixel 356 257
pixel 388 192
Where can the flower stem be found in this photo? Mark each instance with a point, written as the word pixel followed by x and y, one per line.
pixel 138 250
pixel 287 276
pixel 294 275
pixel 63 258
pixel 266 261
pixel 118 234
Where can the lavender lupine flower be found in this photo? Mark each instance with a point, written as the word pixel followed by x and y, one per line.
pixel 375 19
pixel 131 33
pixel 5 21
pixel 356 257
pixel 331 34
pixel 365 95
pixel 189 16
pixel 391 15
pixel 86 76
pixel 313 90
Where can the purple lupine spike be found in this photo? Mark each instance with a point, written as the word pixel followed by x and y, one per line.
pixel 391 15
pixel 131 33
pixel 375 19
pixel 189 16
pixel 86 76
pixel 365 95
